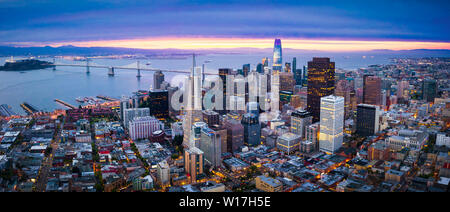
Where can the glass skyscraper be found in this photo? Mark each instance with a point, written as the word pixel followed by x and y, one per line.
pixel 277 56
pixel 320 83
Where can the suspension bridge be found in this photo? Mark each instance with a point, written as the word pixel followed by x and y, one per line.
pixel 111 69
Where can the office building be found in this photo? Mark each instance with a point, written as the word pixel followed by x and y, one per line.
pixel 331 123
pixel 300 119
pixel 288 143
pixel 193 163
pixel 196 133
pixel 143 127
pixel 367 119
pixel 277 56
pixel 429 90
pixel 211 145
pixel 320 84
pixel 372 90
pixel 211 117
pixel 163 172
pixel 158 79
pixel 252 129
pixel 159 103
pixel 235 134
pixel 130 114
pixel 223 74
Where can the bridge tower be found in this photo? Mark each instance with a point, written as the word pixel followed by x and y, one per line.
pixel 111 71
pixel 138 70
pixel 54 62
pixel 87 66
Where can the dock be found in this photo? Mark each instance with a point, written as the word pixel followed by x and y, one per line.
pixel 29 109
pixel 65 104
pixel 107 98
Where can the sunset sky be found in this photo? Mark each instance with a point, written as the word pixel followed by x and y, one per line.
pixel 327 25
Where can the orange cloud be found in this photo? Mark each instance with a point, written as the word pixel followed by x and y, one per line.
pixel 230 43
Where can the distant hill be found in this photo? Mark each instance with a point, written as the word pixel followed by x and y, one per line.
pixel 100 51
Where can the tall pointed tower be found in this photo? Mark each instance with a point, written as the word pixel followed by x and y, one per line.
pixel 193 108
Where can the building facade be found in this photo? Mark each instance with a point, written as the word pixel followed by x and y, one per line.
pixel 331 123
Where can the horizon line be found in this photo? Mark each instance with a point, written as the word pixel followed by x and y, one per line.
pixel 215 43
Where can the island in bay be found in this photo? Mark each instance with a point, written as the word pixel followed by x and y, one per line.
pixel 27 64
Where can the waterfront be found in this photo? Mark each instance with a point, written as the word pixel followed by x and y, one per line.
pixel 41 87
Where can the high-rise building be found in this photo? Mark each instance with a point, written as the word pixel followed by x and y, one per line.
pixel 222 131
pixel 297 72
pixel 287 67
pixel 320 83
pixel 367 119
pixel 158 79
pixel 193 98
pixel 372 90
pixel 429 90
pixel 287 81
pixel 252 129
pixel 211 145
pixel 294 64
pixel 253 107
pixel 260 68
pixel 211 117
pixel 235 134
pixel 265 62
pixel 402 89
pixel 277 65
pixel 331 123
pixel 245 69
pixel 300 119
pixel 196 133
pixel 193 163
pixel 124 104
pixel 159 103
pixel 343 89
pixel 223 74
pixel 131 113
pixel 143 127
pixel 312 135
pixel 163 171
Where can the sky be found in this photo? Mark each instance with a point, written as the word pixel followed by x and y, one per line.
pixel 335 25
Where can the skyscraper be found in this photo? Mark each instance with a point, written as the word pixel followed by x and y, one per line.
pixel 331 123
pixel 367 119
pixel 320 83
pixel 223 73
pixel 158 78
pixel 300 119
pixel 159 103
pixel 252 129
pixel 193 98
pixel 235 134
pixel 372 90
pixel 277 56
pixel 343 89
pixel 429 90
pixel 297 72
pixel 193 163
pixel 210 144
pixel 294 64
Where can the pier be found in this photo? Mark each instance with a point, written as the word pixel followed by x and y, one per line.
pixel 29 109
pixel 107 98
pixel 65 104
